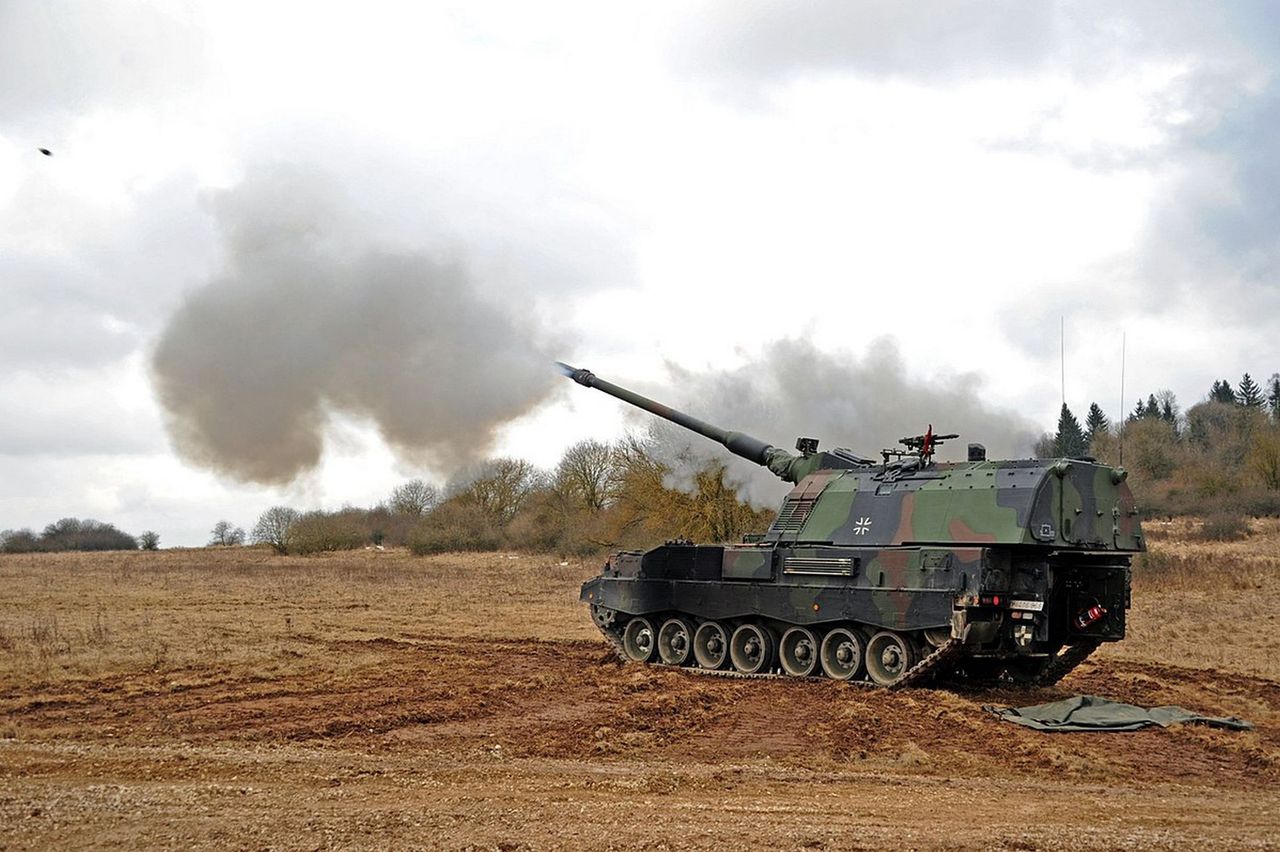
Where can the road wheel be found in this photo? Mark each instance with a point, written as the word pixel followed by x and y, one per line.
pixel 798 652
pixel 752 649
pixel 638 641
pixel 842 653
pixel 675 642
pixel 889 657
pixel 711 645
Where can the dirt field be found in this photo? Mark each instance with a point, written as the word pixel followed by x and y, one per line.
pixel 234 698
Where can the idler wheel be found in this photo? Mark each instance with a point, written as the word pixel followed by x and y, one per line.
pixel 675 642
pixel 889 657
pixel 798 652
pixel 638 640
pixel 603 616
pixel 842 653
pixel 752 649
pixel 711 645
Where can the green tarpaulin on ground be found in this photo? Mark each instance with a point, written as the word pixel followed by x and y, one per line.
pixel 1091 713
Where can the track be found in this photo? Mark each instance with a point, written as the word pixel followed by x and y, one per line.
pixel 932 664
pixel 1065 662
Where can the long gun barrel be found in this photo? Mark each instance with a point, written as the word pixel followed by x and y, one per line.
pixel 738 443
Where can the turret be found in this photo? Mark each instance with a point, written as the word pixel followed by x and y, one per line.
pixel 785 465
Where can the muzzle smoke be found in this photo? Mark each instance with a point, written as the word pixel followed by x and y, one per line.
pixel 794 389
pixel 312 317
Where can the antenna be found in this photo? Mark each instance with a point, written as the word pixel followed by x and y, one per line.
pixel 1062 354
pixel 1120 419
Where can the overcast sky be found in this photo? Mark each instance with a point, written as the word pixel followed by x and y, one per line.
pixel 301 252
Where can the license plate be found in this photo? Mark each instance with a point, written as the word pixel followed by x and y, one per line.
pixel 1034 606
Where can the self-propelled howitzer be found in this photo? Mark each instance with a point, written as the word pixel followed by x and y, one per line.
pixel 892 570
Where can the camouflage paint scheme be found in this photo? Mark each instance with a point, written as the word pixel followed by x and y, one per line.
pixel 907 545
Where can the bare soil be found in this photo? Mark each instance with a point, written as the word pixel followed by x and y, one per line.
pixel 214 698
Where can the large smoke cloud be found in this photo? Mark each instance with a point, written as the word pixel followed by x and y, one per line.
pixel 793 389
pixel 313 317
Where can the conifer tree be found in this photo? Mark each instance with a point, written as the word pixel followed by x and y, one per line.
pixel 1153 407
pixel 1069 442
pixel 1169 411
pixel 1095 423
pixel 1248 393
pixel 1222 392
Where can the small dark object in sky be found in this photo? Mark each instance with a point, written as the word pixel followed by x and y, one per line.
pixel 46 152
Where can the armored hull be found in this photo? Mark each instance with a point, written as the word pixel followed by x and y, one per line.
pixel 889 573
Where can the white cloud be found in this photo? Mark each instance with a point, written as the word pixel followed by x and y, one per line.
pixel 837 172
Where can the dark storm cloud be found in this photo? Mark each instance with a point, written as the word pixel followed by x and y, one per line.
pixel 863 404
pixel 313 316
pixel 70 57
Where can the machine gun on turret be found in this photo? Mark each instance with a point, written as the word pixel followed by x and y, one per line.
pixel 922 446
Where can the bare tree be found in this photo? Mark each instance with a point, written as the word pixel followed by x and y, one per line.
pixel 149 540
pixel 498 486
pixel 584 473
pixel 275 527
pixel 226 534
pixel 415 497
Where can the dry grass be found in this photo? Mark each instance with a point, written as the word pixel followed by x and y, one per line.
pixel 76 615
pixel 1208 604
pixel 72 615
pixel 215 698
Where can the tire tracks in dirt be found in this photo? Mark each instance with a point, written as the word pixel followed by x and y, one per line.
pixel 549 699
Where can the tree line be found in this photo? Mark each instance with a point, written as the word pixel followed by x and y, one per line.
pixel 1221 454
pixel 76 534
pixel 599 496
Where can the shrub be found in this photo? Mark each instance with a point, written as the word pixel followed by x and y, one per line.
pixel 86 534
pixel 321 532
pixel 20 541
pixel 149 540
pixel 1224 527
pixel 455 525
